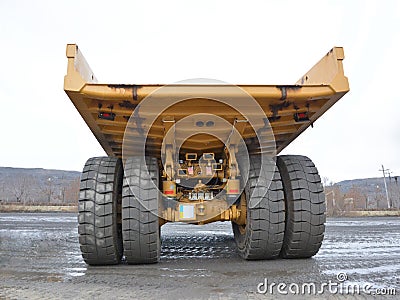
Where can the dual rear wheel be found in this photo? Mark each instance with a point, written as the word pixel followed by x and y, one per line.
pixel 285 219
pixel 112 221
pixel 288 218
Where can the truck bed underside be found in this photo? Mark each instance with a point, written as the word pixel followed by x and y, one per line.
pixel 290 109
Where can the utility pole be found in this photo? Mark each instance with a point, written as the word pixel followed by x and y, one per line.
pixel 397 194
pixel 384 180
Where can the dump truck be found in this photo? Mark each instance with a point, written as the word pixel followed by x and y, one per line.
pixel 197 152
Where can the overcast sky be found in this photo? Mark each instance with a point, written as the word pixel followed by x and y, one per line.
pixel 254 42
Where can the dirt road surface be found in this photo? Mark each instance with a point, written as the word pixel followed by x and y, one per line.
pixel 40 259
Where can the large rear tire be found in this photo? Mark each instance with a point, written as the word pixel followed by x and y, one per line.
pixel 140 200
pixel 262 236
pixel 305 206
pixel 100 234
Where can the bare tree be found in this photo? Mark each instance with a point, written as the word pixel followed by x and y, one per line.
pixel 48 189
pixel 2 189
pixel 326 181
pixel 360 199
pixel 394 191
pixel 72 190
pixel 21 187
pixel 334 200
pixel 339 201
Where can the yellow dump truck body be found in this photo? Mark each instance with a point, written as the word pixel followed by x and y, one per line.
pixel 201 152
pixel 290 109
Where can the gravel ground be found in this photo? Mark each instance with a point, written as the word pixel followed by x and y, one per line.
pixel 40 258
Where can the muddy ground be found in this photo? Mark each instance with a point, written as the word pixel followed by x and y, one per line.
pixel 40 258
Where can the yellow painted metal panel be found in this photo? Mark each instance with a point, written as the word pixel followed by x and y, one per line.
pixel 314 93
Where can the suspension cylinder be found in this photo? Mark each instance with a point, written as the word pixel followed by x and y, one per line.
pixel 169 188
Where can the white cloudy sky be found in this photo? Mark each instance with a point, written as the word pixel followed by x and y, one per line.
pixel 265 42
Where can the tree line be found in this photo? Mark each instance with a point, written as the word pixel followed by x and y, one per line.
pixel 30 189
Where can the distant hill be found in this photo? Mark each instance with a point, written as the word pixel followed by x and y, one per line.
pixel 38 185
pixel 368 192
pixel 368 185
pixel 62 187
pixel 39 172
